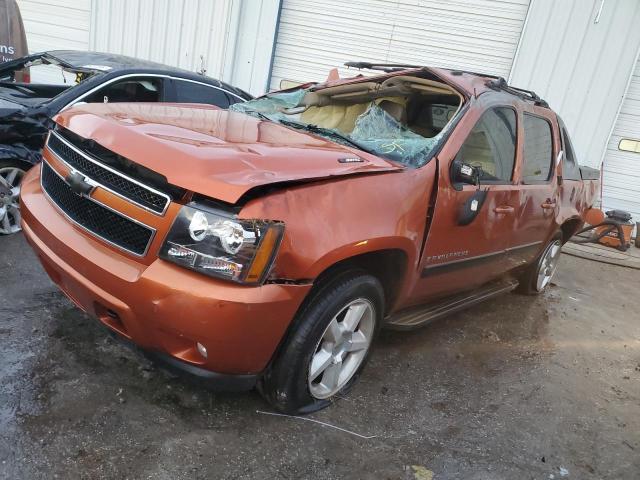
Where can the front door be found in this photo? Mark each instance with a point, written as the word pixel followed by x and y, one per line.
pixel 463 256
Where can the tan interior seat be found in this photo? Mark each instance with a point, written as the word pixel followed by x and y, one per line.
pixel 343 117
pixel 339 117
pixel 397 110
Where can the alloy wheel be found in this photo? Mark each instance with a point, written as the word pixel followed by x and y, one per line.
pixel 548 265
pixel 342 348
pixel 10 179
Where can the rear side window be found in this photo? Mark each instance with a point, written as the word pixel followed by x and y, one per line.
pixel 491 145
pixel 190 92
pixel 538 149
pixel 129 90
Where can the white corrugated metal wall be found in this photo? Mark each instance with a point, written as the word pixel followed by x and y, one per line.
pixel 191 35
pixel 56 24
pixel 254 45
pixel 621 169
pixel 313 37
pixel 579 58
pixel 230 39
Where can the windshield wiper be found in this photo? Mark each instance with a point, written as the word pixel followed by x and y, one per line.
pixel 327 132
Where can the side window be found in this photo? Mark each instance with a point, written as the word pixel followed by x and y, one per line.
pixel 128 90
pixel 190 92
pixel 570 167
pixel 538 149
pixel 491 145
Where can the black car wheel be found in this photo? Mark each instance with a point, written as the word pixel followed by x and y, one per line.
pixel 328 345
pixel 11 174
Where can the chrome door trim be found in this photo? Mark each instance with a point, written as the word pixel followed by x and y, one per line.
pixel 133 75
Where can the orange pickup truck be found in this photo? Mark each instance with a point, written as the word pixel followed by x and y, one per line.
pixel 266 245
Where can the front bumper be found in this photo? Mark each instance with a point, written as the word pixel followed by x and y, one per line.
pixel 161 307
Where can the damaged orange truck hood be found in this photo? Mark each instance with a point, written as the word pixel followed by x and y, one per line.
pixel 215 152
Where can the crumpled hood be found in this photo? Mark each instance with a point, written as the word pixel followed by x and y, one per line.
pixel 215 152
pixel 22 131
pixel 8 107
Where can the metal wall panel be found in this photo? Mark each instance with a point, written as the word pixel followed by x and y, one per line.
pixel 256 30
pixel 56 24
pixel 190 34
pixel 621 170
pixel 314 37
pixel 580 62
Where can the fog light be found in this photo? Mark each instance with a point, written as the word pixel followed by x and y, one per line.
pixel 202 349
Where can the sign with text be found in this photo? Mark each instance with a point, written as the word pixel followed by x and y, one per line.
pixel 13 41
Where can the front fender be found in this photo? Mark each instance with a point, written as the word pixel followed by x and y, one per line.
pixel 330 221
pixel 362 247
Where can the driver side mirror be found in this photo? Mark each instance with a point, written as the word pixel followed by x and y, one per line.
pixel 465 173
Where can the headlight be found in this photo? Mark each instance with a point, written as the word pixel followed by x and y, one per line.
pixel 220 245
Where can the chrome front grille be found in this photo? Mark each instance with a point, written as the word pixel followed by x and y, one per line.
pixel 103 222
pixel 108 178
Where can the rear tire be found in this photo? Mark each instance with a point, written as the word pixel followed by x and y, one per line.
pixel 538 276
pixel 11 175
pixel 328 345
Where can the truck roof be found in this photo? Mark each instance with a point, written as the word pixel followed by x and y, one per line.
pixel 471 83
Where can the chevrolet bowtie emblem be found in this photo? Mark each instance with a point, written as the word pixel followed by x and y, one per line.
pixel 79 184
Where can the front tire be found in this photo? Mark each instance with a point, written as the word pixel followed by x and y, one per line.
pixel 538 276
pixel 11 174
pixel 328 345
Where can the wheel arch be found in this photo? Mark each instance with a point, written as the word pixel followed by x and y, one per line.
pixel 18 162
pixel 569 227
pixel 388 265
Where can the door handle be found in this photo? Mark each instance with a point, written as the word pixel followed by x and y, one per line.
pixel 504 209
pixel 549 204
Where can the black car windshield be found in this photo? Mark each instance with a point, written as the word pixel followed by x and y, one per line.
pixel 401 121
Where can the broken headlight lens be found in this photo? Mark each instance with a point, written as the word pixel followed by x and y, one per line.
pixel 220 245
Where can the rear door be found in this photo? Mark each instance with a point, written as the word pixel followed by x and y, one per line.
pixel 459 256
pixel 539 203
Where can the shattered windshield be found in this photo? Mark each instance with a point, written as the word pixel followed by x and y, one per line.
pixel 400 122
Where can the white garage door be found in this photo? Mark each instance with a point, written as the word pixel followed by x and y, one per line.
pixel 478 35
pixel 621 168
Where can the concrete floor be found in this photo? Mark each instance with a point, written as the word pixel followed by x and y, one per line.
pixel 517 388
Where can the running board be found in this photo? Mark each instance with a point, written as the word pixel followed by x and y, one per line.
pixel 418 316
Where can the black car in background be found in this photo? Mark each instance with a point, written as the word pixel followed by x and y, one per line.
pixel 36 87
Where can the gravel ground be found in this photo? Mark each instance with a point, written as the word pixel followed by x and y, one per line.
pixel 517 388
